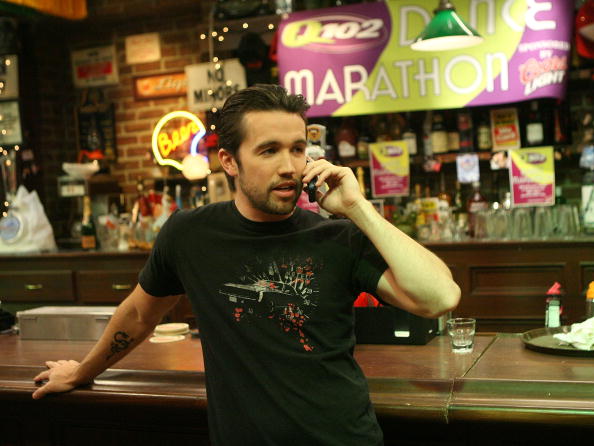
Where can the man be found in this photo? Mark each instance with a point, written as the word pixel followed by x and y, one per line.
pixel 273 286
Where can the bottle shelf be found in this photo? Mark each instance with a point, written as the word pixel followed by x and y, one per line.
pixel 418 159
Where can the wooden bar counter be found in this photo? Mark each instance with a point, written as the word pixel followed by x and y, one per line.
pixel 499 394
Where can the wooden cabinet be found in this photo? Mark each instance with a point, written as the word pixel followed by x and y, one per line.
pixel 70 278
pixel 37 286
pixel 503 283
pixel 77 278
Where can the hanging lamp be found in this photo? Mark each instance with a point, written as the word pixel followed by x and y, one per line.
pixel 446 31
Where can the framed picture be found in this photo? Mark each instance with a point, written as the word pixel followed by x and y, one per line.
pixel 95 67
pixel 95 125
pixel 10 123
pixel 158 86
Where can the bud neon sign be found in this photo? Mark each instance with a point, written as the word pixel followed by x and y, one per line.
pixel 165 144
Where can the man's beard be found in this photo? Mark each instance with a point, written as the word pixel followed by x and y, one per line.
pixel 266 202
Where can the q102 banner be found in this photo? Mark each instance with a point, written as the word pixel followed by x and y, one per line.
pixel 356 59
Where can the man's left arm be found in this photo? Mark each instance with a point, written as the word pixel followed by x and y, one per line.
pixel 416 279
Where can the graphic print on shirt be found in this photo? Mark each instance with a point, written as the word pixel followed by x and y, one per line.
pixel 285 292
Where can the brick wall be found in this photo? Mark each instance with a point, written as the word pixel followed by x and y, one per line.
pixel 52 99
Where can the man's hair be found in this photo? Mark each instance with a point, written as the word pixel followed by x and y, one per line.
pixel 259 97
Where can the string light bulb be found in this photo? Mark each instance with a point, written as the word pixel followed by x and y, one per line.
pixel 202 36
pixel 225 29
pixel 245 25
pixel 213 127
pixel 214 34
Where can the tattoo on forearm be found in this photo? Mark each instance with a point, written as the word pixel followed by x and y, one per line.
pixel 120 343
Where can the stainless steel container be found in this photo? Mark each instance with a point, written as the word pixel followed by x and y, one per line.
pixel 64 323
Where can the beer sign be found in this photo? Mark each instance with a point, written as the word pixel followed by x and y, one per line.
pixel 176 136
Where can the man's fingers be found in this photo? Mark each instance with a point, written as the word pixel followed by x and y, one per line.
pixel 41 392
pixel 43 375
pixel 51 364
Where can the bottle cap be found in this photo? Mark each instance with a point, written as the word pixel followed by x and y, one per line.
pixel 590 292
pixel 555 290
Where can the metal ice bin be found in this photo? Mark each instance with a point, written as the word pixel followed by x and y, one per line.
pixel 64 323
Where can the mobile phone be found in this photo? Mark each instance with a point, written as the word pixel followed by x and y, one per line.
pixel 311 190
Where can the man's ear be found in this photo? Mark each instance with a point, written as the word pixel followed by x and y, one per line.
pixel 228 162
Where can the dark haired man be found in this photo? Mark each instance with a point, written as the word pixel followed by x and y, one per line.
pixel 273 287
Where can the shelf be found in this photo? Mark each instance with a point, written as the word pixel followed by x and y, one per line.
pixel 418 159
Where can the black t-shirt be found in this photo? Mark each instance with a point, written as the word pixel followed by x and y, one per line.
pixel 273 303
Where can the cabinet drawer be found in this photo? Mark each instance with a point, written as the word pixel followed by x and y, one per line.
pixel 105 286
pixel 37 286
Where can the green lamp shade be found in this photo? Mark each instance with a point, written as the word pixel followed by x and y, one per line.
pixel 446 31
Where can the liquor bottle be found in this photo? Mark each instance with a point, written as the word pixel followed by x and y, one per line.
pixel 395 126
pixel 458 198
pixel 476 203
pixel 380 129
pixel 453 133
pixel 466 131
pixel 346 139
pixel 588 201
pixel 178 197
pixel 88 234
pixel 443 194
pixel 427 148
pixel 534 128
pixel 361 180
pixel 483 133
pixel 409 136
pixel 439 136
pixel 363 141
pixel 144 205
pixel 590 301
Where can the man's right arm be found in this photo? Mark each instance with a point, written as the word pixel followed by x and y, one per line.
pixel 132 322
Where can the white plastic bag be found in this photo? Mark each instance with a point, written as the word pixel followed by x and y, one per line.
pixel 37 234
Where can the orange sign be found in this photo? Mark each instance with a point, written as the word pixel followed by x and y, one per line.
pixel 160 86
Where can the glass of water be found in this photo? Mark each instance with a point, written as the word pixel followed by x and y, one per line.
pixel 461 331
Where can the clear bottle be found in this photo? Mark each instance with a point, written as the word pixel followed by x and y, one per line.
pixel 88 234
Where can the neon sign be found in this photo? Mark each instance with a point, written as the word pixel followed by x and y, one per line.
pixel 168 144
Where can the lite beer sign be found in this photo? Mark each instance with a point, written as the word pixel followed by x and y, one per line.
pixel 210 84
pixel 175 136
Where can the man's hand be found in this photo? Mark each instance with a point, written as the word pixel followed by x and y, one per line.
pixel 343 189
pixel 60 377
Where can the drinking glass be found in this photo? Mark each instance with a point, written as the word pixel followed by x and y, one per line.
pixel 566 224
pixel 522 218
pixel 480 224
pixel 543 222
pixel 461 331
pixel 499 224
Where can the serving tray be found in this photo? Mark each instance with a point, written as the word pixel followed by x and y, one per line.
pixel 542 340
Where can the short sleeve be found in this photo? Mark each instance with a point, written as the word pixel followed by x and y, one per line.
pixel 159 277
pixel 369 265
